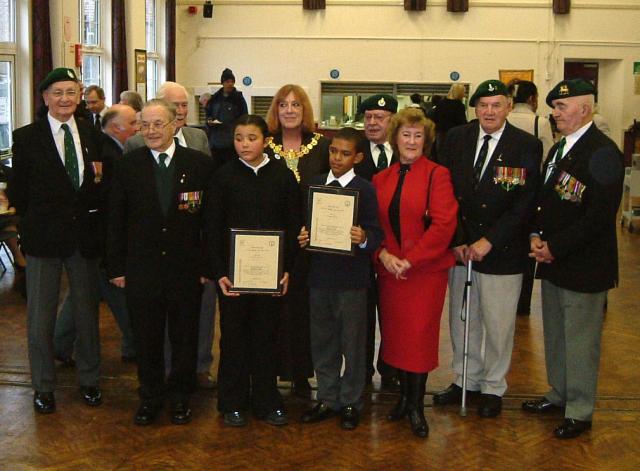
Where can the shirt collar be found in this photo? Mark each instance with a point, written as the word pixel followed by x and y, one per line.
pixel 55 124
pixel 572 138
pixel 495 135
pixel 170 151
pixel 181 139
pixel 344 180
pixel 374 147
pixel 257 167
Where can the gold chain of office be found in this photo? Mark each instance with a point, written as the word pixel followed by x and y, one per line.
pixel 293 156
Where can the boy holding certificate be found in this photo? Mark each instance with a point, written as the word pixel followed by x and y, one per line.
pixel 338 292
pixel 255 196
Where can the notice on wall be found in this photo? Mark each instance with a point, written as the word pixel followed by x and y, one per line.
pixel 636 78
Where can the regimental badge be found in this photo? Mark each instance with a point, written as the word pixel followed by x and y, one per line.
pixel 490 87
pixel 71 74
pixel 509 177
pixel 569 188
pixel 381 102
pixel 563 90
pixel 97 171
pixel 190 201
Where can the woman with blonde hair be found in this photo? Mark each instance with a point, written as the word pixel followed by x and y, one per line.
pixel 450 112
pixel 418 214
pixel 294 143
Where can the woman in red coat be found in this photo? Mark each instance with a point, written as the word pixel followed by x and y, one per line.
pixel 413 261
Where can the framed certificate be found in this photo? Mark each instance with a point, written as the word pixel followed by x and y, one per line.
pixel 256 264
pixel 332 213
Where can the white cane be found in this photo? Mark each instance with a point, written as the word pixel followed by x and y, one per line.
pixel 464 316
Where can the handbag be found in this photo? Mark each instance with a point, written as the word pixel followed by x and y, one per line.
pixel 426 218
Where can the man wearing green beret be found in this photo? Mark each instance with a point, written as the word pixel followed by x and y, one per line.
pixel 56 189
pixel 495 168
pixel 378 155
pixel 574 243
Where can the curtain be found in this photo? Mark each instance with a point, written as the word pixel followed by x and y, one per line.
pixel 41 48
pixel 119 48
pixel 171 40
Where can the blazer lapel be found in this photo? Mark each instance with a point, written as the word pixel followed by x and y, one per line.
pixel 500 151
pixel 469 155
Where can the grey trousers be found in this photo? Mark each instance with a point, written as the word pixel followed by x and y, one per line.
pixel 339 329
pixel 492 321
pixel 572 332
pixel 43 288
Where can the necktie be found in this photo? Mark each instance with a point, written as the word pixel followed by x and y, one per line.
pixel 335 183
pixel 383 161
pixel 551 169
pixel 177 141
pixel 96 122
pixel 394 206
pixel 162 157
pixel 70 157
pixel 482 156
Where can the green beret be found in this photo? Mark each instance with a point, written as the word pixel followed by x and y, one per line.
pixel 489 88
pixel 60 74
pixel 379 102
pixel 569 88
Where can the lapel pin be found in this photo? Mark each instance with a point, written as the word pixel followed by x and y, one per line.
pixel 182 178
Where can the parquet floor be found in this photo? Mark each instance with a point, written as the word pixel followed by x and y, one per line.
pixel 81 438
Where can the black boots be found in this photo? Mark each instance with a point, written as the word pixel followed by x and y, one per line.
pixel 400 409
pixel 416 383
pixel 411 402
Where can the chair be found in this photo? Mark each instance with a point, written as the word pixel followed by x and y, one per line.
pixel 4 237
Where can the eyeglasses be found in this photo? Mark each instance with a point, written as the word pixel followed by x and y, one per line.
pixel 376 118
pixel 61 93
pixel 157 126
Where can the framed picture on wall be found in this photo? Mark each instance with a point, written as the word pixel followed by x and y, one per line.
pixel 507 75
pixel 141 72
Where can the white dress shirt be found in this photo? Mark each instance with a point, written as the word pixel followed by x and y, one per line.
pixel 375 152
pixel 58 137
pixel 170 151
pixel 257 167
pixel 493 142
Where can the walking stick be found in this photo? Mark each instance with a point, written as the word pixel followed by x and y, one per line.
pixel 464 316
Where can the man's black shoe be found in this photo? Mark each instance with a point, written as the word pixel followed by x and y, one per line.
pixel 490 405
pixel 276 417
pixel 572 428
pixel 540 406
pixel 91 395
pixel 147 413
pixel 320 412
pixel 44 402
pixel 452 395
pixel 180 413
pixel 235 418
pixel 349 418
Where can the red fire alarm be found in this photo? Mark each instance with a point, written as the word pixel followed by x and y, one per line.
pixel 192 10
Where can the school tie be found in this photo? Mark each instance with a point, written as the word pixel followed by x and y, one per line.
pixel 394 206
pixel 383 161
pixel 70 157
pixel 551 169
pixel 96 122
pixel 482 156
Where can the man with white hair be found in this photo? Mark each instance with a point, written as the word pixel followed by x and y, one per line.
pixel 196 139
pixel 574 243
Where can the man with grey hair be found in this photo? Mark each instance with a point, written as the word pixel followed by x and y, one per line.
pixel 194 139
pixel 574 243
pixel 155 251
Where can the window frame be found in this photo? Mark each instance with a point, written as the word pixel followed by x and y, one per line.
pixel 93 50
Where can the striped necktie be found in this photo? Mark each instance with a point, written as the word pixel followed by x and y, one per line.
pixel 70 157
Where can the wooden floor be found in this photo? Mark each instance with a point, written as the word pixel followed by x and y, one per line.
pixel 80 438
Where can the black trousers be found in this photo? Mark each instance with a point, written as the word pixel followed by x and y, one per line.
pixel 180 312
pixel 247 375
pixel 524 303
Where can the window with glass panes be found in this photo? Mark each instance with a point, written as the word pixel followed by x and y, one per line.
pixel 152 54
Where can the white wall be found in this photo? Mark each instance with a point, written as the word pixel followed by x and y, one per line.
pixel 277 42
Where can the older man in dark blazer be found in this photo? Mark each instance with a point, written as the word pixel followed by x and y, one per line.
pixel 57 193
pixel 495 168
pixel 574 243
pixel 155 250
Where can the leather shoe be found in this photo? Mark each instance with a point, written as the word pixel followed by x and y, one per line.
pixel 147 413
pixel 205 381
pixel 235 418
pixel 389 384
pixel 276 417
pixel 349 418
pixel 452 395
pixel 320 412
pixel 572 428
pixel 181 413
pixel 540 406
pixel 91 395
pixel 44 402
pixel 490 405
pixel 66 362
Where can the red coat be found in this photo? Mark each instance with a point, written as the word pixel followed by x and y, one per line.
pixel 411 308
